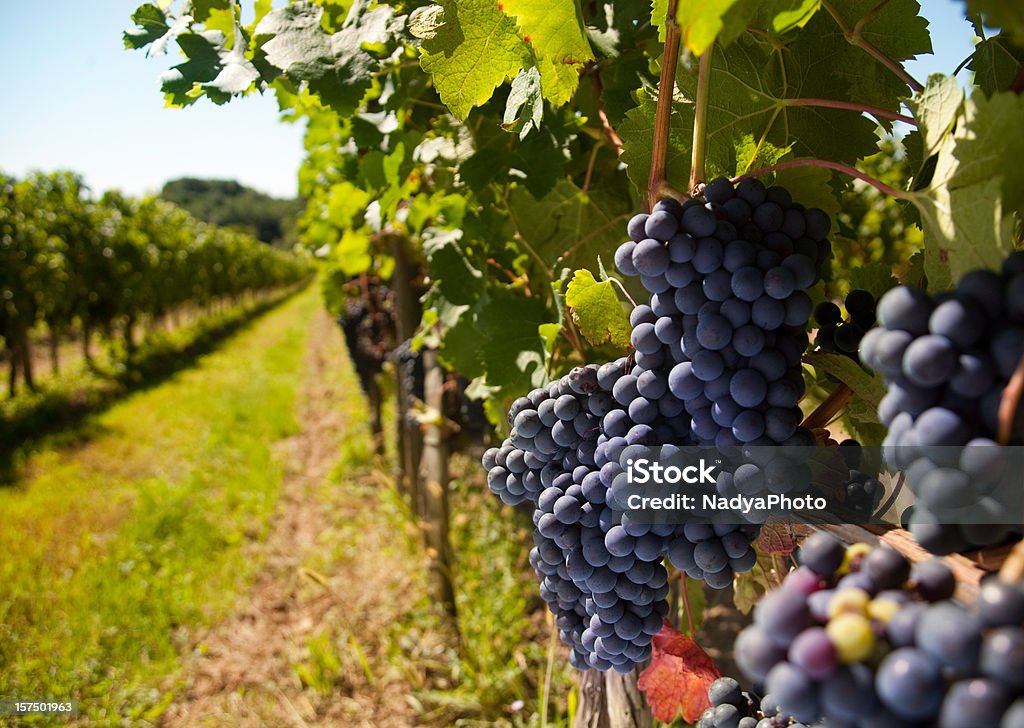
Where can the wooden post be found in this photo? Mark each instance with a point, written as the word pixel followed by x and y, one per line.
pixel 54 352
pixel 433 507
pixel 407 318
pixel 612 700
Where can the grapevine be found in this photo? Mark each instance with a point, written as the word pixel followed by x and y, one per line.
pixel 661 258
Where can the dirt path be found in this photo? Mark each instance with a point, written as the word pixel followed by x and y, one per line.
pixel 309 647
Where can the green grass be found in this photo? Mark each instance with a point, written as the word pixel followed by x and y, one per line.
pixel 112 554
pixel 59 407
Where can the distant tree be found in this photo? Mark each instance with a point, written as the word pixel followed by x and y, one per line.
pixel 230 204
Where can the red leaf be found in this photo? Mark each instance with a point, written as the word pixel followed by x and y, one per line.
pixel 678 677
pixel 781 538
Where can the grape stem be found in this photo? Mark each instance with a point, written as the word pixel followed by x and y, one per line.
pixel 616 282
pixel 854 37
pixel 829 408
pixel 657 186
pixel 686 603
pixel 837 166
pixel 700 120
pixel 1010 403
pixel 874 111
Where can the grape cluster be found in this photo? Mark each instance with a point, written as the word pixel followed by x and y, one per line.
pixel 727 279
pixel 732 707
pixel 716 362
pixel 857 638
pixel 837 335
pixel 601 577
pixel 946 360
pixel 863 490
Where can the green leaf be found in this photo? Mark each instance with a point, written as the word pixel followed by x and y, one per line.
pixel 1008 15
pixel 151 25
pixel 936 109
pixel 568 226
pixel 597 310
pixel 201 9
pixel 976 181
pixel 476 49
pixel 335 66
pixel 875 278
pixel 557 35
pixel 868 389
pixel 236 75
pixel 751 79
pixel 996 63
pixel 702 22
pixel 525 106
pixel 637 133
pixel 781 16
pixel 203 51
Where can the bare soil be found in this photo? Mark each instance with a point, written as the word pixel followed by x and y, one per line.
pixel 253 668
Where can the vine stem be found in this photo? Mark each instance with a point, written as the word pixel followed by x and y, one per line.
pixel 829 408
pixel 656 184
pixel 874 111
pixel 615 281
pixel 700 120
pixel 606 126
pixel 1009 403
pixel 838 167
pixel 686 603
pixel 1012 570
pixel 854 37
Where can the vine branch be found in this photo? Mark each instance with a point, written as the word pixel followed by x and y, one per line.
pixel 837 166
pixel 1009 404
pixel 874 111
pixel 829 408
pixel 656 183
pixel 700 120
pixel 1012 570
pixel 606 126
pixel 854 37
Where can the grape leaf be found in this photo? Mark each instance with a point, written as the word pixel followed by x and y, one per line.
pixel 996 63
pixel 236 75
pixel 637 133
pixel 876 278
pixel 476 49
pixel 203 51
pixel 701 22
pixel 751 80
pixel 597 310
pixel 976 181
pixel 524 108
pixel 555 31
pixel 335 66
pixel 1008 16
pixel 569 226
pixel 868 388
pixel 151 25
pixel 780 539
pixel 201 9
pixel 490 332
pixel 678 678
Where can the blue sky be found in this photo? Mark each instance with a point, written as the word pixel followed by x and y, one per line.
pixel 74 98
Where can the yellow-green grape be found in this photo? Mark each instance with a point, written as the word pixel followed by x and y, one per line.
pixel 849 601
pixel 882 610
pixel 854 552
pixel 852 636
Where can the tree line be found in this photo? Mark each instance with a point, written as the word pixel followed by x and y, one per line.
pixel 70 262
